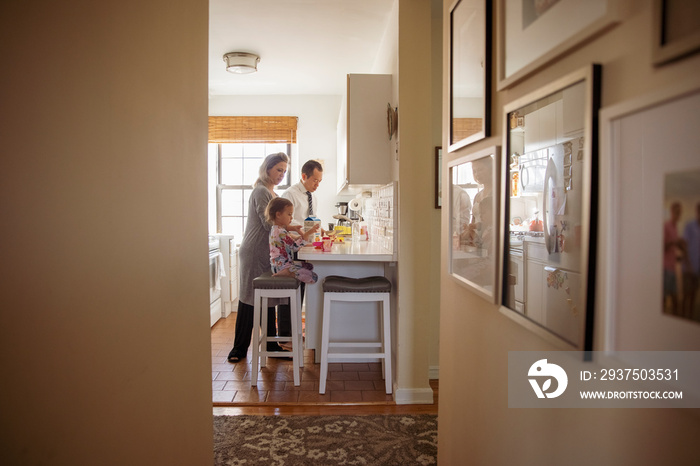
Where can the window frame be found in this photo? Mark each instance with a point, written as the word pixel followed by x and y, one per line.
pixel 221 187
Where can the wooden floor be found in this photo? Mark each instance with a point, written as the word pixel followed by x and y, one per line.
pixel 352 388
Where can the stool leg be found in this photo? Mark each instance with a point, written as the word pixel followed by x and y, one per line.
pixel 326 325
pixel 263 333
pixel 256 340
pixel 300 329
pixel 293 309
pixel 386 343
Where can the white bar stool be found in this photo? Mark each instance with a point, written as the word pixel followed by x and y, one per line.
pixel 266 286
pixel 336 288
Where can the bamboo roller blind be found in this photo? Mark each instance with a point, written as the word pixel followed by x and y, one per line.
pixel 241 129
pixel 464 127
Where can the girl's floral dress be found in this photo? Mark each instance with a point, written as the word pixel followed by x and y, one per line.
pixel 282 249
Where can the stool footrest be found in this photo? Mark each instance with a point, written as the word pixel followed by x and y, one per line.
pixel 278 354
pixel 358 344
pixel 356 355
pixel 282 339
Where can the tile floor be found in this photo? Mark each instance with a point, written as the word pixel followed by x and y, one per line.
pixel 347 382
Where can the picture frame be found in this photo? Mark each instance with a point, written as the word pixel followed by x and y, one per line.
pixel 636 166
pixel 469 77
pixel 530 37
pixel 675 30
pixel 549 209
pixel 474 204
pixel 438 177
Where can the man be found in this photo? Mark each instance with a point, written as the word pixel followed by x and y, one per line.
pixel 673 245
pixel 691 264
pixel 302 194
pixel 305 205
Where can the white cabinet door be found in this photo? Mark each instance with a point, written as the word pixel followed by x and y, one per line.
pixel 548 125
pixel 532 132
pixel 573 102
pixel 233 275
pixel 533 298
pixel 364 149
pixel 517 270
pixel 559 122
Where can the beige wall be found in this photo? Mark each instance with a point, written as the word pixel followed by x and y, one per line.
pixel 476 426
pixel 104 326
pixel 434 214
pixel 417 218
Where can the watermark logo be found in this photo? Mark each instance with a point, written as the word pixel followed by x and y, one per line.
pixel 542 369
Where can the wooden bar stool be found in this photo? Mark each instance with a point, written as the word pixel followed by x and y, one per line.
pixel 266 286
pixel 336 288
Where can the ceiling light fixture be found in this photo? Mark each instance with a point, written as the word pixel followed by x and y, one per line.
pixel 241 62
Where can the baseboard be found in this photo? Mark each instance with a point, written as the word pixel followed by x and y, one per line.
pixel 433 372
pixel 413 396
pixel 228 309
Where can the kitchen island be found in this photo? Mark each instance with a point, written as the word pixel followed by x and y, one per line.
pixel 355 260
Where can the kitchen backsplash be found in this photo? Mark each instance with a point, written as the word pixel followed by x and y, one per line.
pixel 380 215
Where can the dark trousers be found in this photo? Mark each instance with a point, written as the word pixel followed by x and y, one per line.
pixel 244 328
pixel 284 317
pixel 244 325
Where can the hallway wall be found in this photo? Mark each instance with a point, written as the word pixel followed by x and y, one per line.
pixel 476 425
pixel 104 325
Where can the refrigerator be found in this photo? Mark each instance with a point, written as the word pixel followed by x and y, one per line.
pixel 562 281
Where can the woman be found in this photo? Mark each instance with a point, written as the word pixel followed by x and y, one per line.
pixel 254 253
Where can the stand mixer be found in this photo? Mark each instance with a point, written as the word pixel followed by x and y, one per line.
pixel 342 219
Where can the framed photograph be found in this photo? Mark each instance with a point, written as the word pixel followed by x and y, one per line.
pixel 651 220
pixel 470 73
pixel 438 177
pixel 532 33
pixel 474 222
pixel 676 29
pixel 550 205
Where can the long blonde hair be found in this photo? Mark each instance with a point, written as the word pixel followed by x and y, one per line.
pixel 269 162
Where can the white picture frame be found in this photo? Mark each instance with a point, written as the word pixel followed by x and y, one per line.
pixel 474 221
pixel 642 141
pixel 526 42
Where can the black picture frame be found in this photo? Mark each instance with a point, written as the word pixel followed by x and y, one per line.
pixel 676 30
pixel 438 177
pixel 548 263
pixel 469 79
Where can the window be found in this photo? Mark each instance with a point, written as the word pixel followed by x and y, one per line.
pixel 237 168
pixel 237 147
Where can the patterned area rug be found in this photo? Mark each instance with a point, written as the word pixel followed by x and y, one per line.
pixel 325 440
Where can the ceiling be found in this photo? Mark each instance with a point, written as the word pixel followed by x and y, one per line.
pixel 305 46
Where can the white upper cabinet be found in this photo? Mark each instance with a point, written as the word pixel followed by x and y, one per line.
pixel 364 150
pixel 553 124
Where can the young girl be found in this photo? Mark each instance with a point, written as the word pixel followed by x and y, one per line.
pixel 279 213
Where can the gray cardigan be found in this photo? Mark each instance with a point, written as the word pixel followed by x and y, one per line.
pixel 254 254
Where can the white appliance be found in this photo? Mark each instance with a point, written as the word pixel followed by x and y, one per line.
pixel 216 272
pixel 544 267
pixel 532 171
pixel 229 282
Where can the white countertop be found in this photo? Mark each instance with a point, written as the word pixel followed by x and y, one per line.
pixel 361 251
